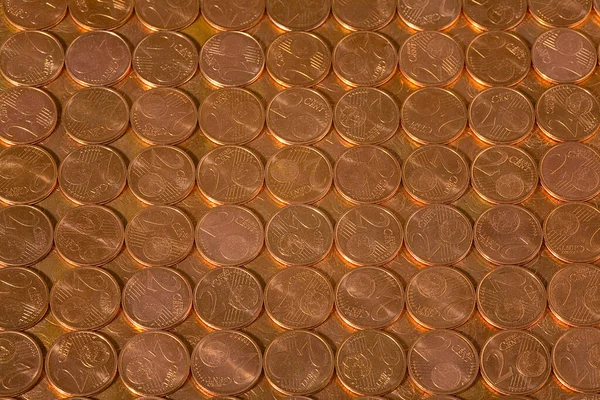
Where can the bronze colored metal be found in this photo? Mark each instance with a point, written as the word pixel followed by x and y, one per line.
pixel 36 14
pixel 356 15
pixel 26 235
pixel 301 15
pixel 160 15
pixel 232 15
pixel 29 115
pixel 572 295
pixel 101 14
pixel 429 16
pixel 18 350
pixel 23 298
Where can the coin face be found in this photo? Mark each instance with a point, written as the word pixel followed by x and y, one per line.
pixel 94 14
pixel 25 235
pixel 357 15
pixel 556 14
pixel 36 14
pixel 19 351
pixel 429 16
pixel 231 59
pixel 493 15
pixel 299 235
pixel 572 295
pixel 23 298
pixel 228 298
pixel 574 346
pixel 303 15
pixel 85 298
pixel 364 59
pixel 232 15
pixel 366 371
pixel 160 15
pixel 159 236
pixel 29 115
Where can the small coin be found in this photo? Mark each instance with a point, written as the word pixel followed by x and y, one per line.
pixel 159 236
pixel 573 295
pixel 440 298
pixel 231 116
pixel 299 235
pixel 29 115
pixel 230 175
pixel 357 15
pixel 364 59
pixel 159 15
pixel 35 14
pixel 556 14
pixel 369 298
pixel 368 235
pixel 511 297
pixel 298 363
pixel 301 15
pixel 164 116
pixel 23 298
pixel 573 362
pixel 154 363
pixel 101 14
pixel 299 298
pixel 228 298
pixel 370 363
pixel 495 15
pixel 25 235
pixel 85 298
pixel 429 16
pixel 231 59
pixel 22 363
pixel 232 15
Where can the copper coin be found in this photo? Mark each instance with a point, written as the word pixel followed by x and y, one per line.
pixel 232 15
pixel 36 14
pixel 299 235
pixel 164 116
pixel 299 298
pixel 431 59
pixel 369 298
pixel 440 298
pixel 100 14
pixel 21 363
pixel 157 298
pixel 364 59
pixel 85 298
pixel 92 175
pixel 230 175
pixel 231 59
pixel 229 235
pixel 159 15
pixel 81 363
pixel 161 175
pixel 370 362
pixel 299 116
pixel 159 236
pixel 89 235
pixel 165 58
pixel 27 174
pixel 563 55
pixel 298 175
pixel 226 362
pixel 495 15
pixel 515 362
pixel 434 116
pixel 557 14
pixel 443 362
pixel 597 6
pixel 568 113
pixel 231 116
pixel 31 58
pixel 367 174
pixel 368 235
pixel 511 297
pixel 154 363
pixel 573 295
pixel 366 116
pixel 29 115
pixel 23 298
pixel 438 234
pixel 573 359
pixel 301 15
pixel 26 235
pixel 357 15
pixel 429 15
pixel 228 298
pixel 298 363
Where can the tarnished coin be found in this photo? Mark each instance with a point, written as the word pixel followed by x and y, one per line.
pixel 230 175
pixel 301 15
pixel 559 14
pixel 34 14
pixel 438 234
pixel 100 14
pixel 159 15
pixel 89 235
pixel 161 175
pixel 231 59
pixel 366 116
pixel 573 295
pixel 299 235
pixel 440 298
pixel 159 236
pixel 226 362
pixel 370 363
pixel 431 59
pixel 29 115
pixel 228 298
pixel 85 298
pixel 165 58
pixel 563 55
pixel 495 15
pixel 298 363
pixel 25 235
pixel 154 363
pixel 232 15
pixel 367 174
pixel 81 363
pixel 23 298
pixel 573 359
pixel 21 363
pixel 369 298
pixel 357 15
pixel 164 116
pixel 511 297
pixel 31 58
pixel 434 116
pixel 429 15
pixel 299 298
pixel 298 175
pixel 364 59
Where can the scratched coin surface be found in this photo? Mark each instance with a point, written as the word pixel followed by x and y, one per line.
pixel 299 298
pixel 35 14
pixel 495 15
pixel 302 15
pixel 95 14
pixel 368 235
pixel 23 298
pixel 159 15
pixel 21 363
pixel 573 359
pixel 228 298
pixel 26 235
pixel 555 13
pixel 365 59
pixel 232 15
pixel 358 15
pixel 159 236
pixel 429 15
pixel 85 298
pixel 573 295
pixel 29 115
